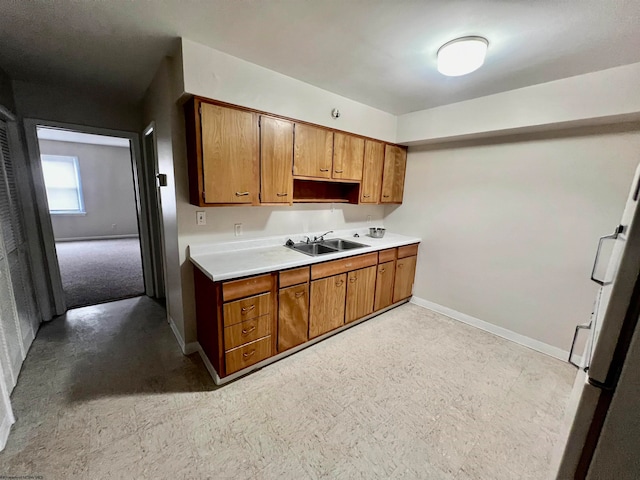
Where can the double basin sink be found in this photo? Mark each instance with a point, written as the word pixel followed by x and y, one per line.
pixel 325 246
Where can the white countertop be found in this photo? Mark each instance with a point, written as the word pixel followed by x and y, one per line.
pixel 223 261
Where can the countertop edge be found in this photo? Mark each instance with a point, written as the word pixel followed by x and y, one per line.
pixel 298 262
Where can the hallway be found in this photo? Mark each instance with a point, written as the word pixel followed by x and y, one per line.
pixel 106 393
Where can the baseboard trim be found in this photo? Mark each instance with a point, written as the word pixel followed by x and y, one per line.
pixel 99 237
pixel 5 428
pixel 187 348
pixel 510 335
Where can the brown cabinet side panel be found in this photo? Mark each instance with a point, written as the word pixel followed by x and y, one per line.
pixel 348 156
pixel 361 287
pixel 209 319
pixel 293 316
pixel 313 151
pixel 326 308
pixel 405 273
pixel 372 172
pixel 194 151
pixel 384 285
pixel 276 160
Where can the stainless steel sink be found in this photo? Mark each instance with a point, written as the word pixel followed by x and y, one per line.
pixel 322 248
pixel 341 244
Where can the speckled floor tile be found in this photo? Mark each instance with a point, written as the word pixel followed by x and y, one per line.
pixel 106 393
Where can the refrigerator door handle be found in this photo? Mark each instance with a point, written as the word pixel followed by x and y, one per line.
pixel 585 326
pixel 613 236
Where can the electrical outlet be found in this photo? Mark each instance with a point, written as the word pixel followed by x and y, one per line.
pixel 201 218
pixel 237 228
pixel 114 226
pixel 369 219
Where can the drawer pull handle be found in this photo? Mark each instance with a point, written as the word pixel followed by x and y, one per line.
pixel 248 331
pixel 299 294
pixel 242 194
pixel 353 279
pixel 338 171
pixel 401 265
pixel 248 354
pixel 366 196
pixel 382 270
pixel 248 309
pixel 386 196
pixel 324 169
pixel 281 194
pixel 339 283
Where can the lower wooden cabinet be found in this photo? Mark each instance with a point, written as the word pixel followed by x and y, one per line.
pixel 361 288
pixel 241 322
pixel 384 285
pixel 293 316
pixel 405 272
pixel 326 310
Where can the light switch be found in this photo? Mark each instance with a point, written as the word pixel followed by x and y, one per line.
pixel 201 218
pixel 237 228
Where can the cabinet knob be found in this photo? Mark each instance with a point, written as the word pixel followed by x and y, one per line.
pixel 242 194
pixel 282 194
pixel 401 265
pixel 386 196
pixel 382 270
pixel 353 279
pixel 366 196
pixel 338 171
pixel 248 330
pixel 299 294
pixel 324 169
pixel 247 309
pixel 339 283
pixel 248 354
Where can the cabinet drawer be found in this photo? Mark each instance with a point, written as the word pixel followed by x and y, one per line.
pixel 387 255
pixel 294 277
pixel 246 309
pixel 408 250
pixel 245 287
pixel 345 265
pixel 247 355
pixel 246 332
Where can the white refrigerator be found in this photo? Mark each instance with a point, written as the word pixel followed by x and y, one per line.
pixel 602 421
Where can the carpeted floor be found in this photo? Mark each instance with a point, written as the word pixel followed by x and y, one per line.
pixel 96 271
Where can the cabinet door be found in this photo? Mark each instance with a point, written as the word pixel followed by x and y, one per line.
pixel 313 151
pixel 293 316
pixel 361 287
pixel 395 164
pixel 326 310
pixel 229 155
pixel 276 157
pixel 384 285
pixel 405 272
pixel 372 172
pixel 348 157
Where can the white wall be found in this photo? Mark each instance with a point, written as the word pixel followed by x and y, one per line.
pixel 214 74
pixel 606 96
pixel 107 187
pixel 510 226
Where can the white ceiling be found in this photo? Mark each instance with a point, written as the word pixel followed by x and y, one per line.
pixel 379 52
pixel 61 135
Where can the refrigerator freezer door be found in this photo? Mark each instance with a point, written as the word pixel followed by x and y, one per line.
pixel 616 296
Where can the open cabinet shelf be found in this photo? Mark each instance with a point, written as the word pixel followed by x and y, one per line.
pixel 311 191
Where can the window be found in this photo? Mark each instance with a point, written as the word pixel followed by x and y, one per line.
pixel 62 179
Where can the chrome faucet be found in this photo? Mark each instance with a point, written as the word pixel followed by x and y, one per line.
pixel 320 238
pixel 306 240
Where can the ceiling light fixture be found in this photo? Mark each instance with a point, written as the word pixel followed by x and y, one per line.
pixel 462 56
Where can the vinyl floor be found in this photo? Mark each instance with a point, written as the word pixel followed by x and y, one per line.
pixel 408 394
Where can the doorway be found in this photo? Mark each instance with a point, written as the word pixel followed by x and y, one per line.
pixel 90 207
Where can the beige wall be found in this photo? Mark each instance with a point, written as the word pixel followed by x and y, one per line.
pixel 510 226
pixel 107 187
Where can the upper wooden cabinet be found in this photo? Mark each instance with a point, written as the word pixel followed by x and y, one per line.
pixel 276 157
pixel 239 156
pixel 372 172
pixel 348 157
pixel 313 151
pixel 229 152
pixel 395 165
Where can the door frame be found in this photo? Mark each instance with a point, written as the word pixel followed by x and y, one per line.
pixel 42 207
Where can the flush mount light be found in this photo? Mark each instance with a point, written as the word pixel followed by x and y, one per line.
pixel 462 56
